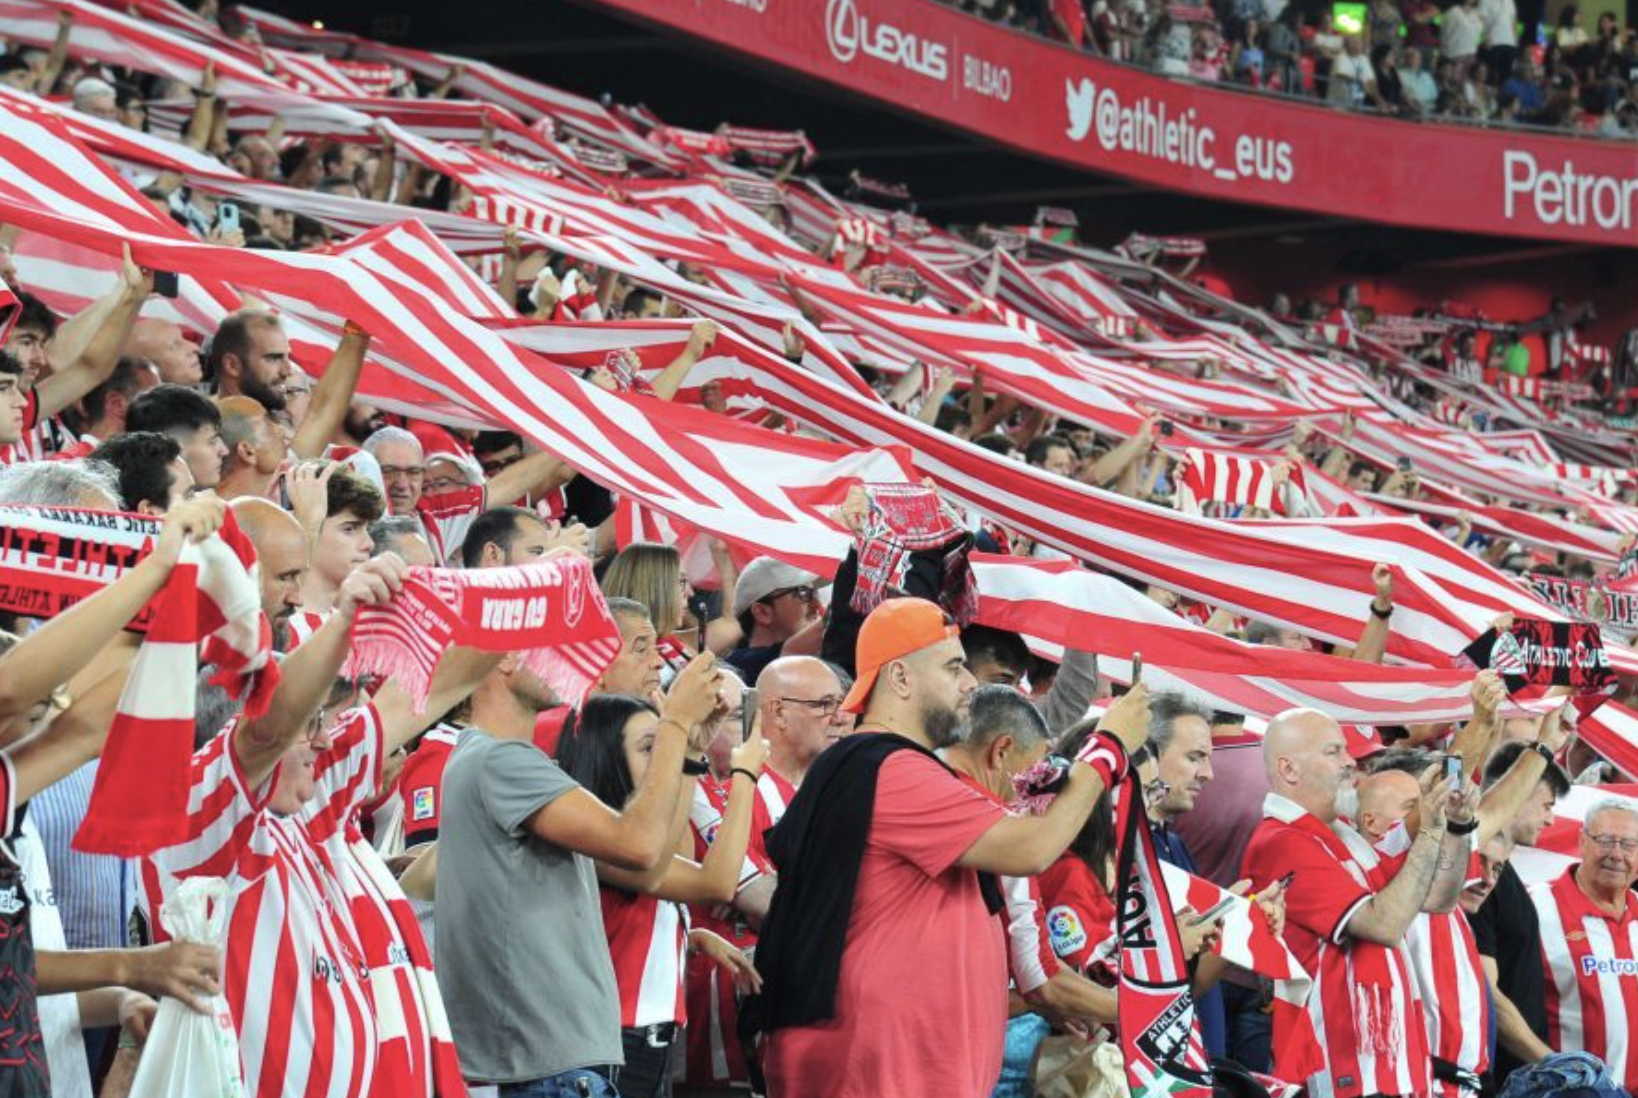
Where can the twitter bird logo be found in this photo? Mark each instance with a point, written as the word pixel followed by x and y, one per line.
pixel 1079 98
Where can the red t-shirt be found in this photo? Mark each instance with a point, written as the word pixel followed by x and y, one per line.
pixel 921 1001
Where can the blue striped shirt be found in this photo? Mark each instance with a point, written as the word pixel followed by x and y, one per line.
pixel 96 893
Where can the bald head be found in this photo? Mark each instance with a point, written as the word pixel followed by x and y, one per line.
pixel 1306 758
pixel 1386 798
pixel 281 552
pixel 800 698
pixel 166 346
pixel 252 439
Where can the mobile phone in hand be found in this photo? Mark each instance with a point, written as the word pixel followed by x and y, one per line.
pixel 747 714
pixel 1453 771
pixel 1137 668
pixel 1213 911
pixel 227 217
pixel 167 283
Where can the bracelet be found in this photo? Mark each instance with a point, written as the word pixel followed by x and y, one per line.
pixel 742 770
pixel 1468 828
pixel 1545 752
pixel 127 1040
pixel 1383 614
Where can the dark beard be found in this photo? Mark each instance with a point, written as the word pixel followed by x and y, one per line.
pixel 268 397
pixel 361 426
pixel 941 726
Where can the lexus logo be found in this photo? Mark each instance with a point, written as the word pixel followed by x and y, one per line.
pixel 842 29
pixel 849 33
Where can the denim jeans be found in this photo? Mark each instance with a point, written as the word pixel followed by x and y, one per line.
pixel 579 1083
pixel 1250 1029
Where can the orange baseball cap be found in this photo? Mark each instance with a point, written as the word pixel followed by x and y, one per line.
pixel 893 630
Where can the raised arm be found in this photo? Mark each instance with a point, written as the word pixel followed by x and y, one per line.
pixel 670 379
pixel 1386 916
pixel 332 395
pixel 63 646
pixel 714 879
pixel 90 342
pixel 531 476
pixel 1023 846
pixel 307 675
pixel 637 836
pixel 1373 639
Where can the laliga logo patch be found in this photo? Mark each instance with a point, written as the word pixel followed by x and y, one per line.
pixel 425 803
pixel 1065 929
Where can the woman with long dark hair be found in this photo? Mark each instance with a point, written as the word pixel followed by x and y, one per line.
pixel 606 748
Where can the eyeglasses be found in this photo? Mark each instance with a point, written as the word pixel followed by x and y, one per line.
pixel 803 592
pixel 825 707
pixel 1607 843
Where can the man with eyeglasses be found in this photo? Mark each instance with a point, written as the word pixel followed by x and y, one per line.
pixel 1589 942
pixel 446 517
pixel 779 613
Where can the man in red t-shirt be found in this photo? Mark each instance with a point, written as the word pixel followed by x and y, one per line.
pixel 1348 909
pixel 884 965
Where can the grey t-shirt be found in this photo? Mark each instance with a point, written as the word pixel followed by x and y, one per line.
pixel 523 964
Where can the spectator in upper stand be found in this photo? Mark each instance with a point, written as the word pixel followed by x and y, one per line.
pixel 1524 87
pixel 1420 91
pixel 168 347
pixel 1501 36
pixel 1384 21
pixel 1461 30
pixel 1422 30
pixel 1385 62
pixel 779 613
pixel 1352 80
pixel 1570 35
pixel 192 420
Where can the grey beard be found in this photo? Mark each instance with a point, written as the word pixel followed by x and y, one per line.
pixel 1347 802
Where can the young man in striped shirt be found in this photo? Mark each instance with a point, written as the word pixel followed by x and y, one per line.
pixel 1589 943
pixel 323 1003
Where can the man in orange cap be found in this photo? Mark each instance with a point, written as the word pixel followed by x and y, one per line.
pixel 882 956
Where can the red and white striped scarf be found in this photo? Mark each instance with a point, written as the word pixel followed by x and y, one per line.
pixel 212 599
pixel 551 611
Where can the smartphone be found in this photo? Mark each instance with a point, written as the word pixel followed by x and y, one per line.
pixel 1167 428
pixel 1137 668
pixel 227 217
pixel 1453 770
pixel 166 283
pixel 1284 882
pixel 747 715
pixel 1213 911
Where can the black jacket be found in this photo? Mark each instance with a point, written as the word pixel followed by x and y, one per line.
pixel 817 848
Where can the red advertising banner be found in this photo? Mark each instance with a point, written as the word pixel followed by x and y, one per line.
pixel 1051 101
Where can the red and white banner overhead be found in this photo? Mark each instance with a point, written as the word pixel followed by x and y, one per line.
pixel 1059 103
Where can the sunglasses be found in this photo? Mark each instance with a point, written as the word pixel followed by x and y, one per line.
pixel 805 593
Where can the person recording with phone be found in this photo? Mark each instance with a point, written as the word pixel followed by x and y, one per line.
pixel 1175 766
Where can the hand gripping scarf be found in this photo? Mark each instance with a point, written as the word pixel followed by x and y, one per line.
pixel 904 518
pixel 551 611
pixel 209 611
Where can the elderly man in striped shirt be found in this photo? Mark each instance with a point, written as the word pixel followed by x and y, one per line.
pixel 1589 942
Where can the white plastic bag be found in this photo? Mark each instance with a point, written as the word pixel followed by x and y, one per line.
pixel 188 1054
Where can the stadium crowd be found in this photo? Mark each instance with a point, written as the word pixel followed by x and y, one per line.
pixel 1483 61
pixel 586 611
